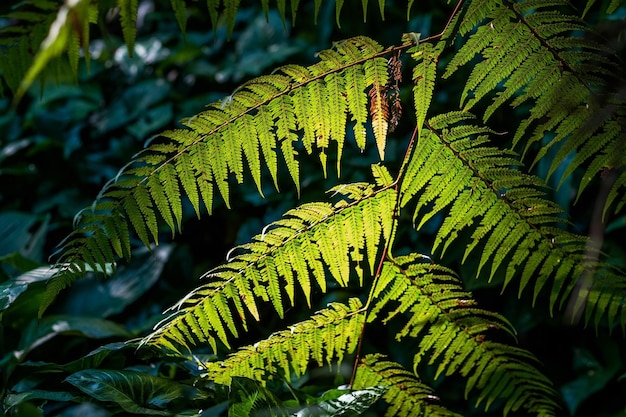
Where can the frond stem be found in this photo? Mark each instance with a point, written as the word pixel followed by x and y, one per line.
pixel 563 64
pixel 440 34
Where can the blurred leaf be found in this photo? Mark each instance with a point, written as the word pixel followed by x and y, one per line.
pixel 26 409
pixel 71 18
pixel 91 360
pixel 618 223
pixel 151 121
pixel 10 128
pixel 82 410
pixel 18 262
pixel 134 102
pixel 11 289
pixel 14 399
pixel 263 43
pixel 41 331
pixel 593 376
pixel 134 392
pixel 19 234
pixel 102 298
pixel 67 202
pixel 14 147
pixel 61 107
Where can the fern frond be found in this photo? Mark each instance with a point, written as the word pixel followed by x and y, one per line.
pixel 180 11
pixel 306 242
pixel 530 45
pixel 406 395
pixel 326 337
pixel 610 8
pixel 265 114
pixel 18 41
pixel 452 334
pixel 515 226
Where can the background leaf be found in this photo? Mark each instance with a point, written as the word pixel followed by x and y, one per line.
pixel 134 392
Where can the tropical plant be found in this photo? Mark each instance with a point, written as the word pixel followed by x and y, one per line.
pixel 485 194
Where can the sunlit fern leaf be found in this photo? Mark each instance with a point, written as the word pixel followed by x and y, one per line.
pixel 406 395
pixel 245 131
pixel 326 337
pixel 452 334
pixel 539 53
pixel 517 229
pixel 321 235
pixel 424 75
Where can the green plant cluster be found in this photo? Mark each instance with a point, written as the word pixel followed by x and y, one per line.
pixel 417 214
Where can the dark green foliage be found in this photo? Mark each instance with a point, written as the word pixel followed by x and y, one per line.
pixel 448 235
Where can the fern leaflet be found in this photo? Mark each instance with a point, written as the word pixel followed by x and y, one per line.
pixel 548 59
pixel 406 395
pixel 297 249
pixel 452 333
pixel 257 119
pixel 326 337
pixel 515 225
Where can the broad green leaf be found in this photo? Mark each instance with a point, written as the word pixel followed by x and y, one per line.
pixel 14 399
pixel 135 392
pixel 10 290
pixel 353 403
pixel 20 232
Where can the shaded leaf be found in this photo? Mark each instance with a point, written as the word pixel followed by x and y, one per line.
pixel 133 391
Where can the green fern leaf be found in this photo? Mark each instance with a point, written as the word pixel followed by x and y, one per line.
pixel 57 41
pixel 321 235
pixel 128 19
pixel 230 13
pixel 180 11
pixel 451 332
pixel 617 191
pixel 513 222
pixel 406 395
pixel 424 74
pixel 261 115
pixel 540 54
pixel 327 336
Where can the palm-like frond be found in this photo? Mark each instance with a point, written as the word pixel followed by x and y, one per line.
pixel 406 395
pixel 452 333
pixel 535 55
pixel 514 224
pixel 539 53
pixel 307 242
pixel 325 338
pixel 266 114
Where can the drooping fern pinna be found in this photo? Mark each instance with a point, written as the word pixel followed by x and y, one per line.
pixel 477 186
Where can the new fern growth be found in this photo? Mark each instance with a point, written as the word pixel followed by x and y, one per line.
pixel 458 175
